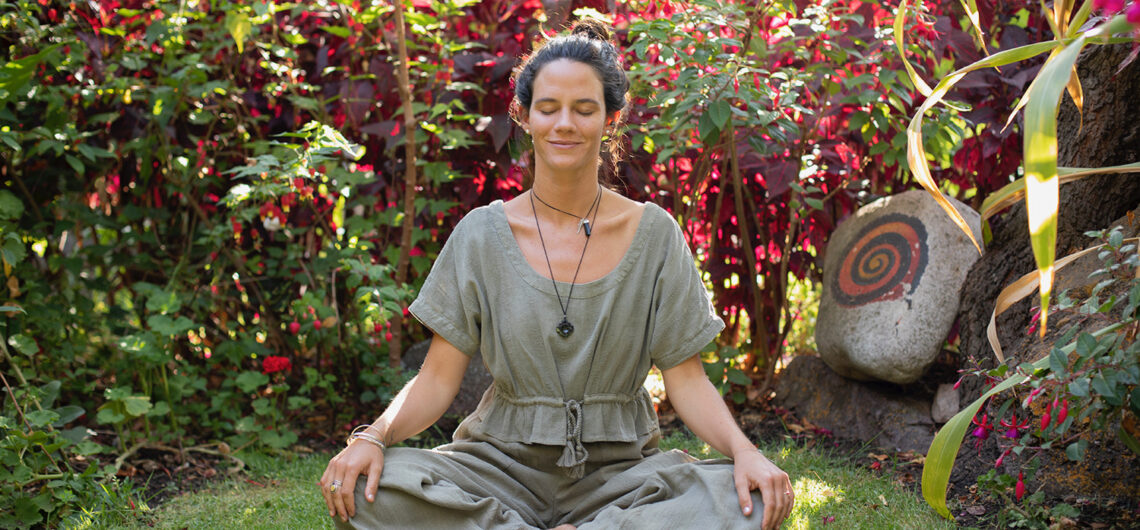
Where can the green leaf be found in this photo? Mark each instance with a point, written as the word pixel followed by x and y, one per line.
pixel 109 415
pixel 1134 401
pixel 164 325
pixel 10 206
pixel 23 344
pixel 136 406
pixel 944 448
pixel 163 302
pixel 41 418
pixel 239 27
pixel 250 381
pixel 13 251
pixel 1129 441
pixel 339 31
pixel 721 111
pixel 1076 450
pixel 68 414
pixel 76 165
pixel 814 203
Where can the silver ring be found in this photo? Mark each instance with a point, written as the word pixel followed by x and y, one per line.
pixel 334 486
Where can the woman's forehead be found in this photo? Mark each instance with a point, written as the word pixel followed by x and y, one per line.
pixel 567 79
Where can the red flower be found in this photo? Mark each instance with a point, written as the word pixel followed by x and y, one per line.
pixel 1020 488
pixel 294 327
pixel 1063 412
pixel 1133 14
pixel 274 363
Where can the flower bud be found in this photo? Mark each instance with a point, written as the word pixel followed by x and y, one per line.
pixel 1133 14
pixel 1020 488
pixel 1063 412
pixel 294 327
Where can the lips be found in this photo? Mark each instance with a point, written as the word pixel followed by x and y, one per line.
pixel 563 144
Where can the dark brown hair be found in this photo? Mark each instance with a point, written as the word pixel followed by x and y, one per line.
pixel 588 43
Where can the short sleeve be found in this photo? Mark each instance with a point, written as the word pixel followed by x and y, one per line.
pixel 449 303
pixel 684 319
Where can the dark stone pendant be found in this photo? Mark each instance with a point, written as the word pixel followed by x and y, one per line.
pixel 564 328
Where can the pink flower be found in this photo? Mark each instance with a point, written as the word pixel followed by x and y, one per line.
pixel 294 327
pixel 1133 14
pixel 1063 412
pixel 1020 488
pixel 275 363
pixel 1109 6
pixel 1001 458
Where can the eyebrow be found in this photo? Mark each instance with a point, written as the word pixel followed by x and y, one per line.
pixel 582 100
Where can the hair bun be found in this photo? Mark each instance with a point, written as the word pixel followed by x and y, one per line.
pixel 591 29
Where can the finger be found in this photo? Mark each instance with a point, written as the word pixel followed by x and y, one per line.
pixel 743 494
pixel 325 492
pixel 348 493
pixel 338 500
pixel 772 508
pixel 373 481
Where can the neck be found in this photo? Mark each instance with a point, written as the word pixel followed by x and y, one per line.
pixel 574 197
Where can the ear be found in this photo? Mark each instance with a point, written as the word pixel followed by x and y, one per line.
pixel 524 118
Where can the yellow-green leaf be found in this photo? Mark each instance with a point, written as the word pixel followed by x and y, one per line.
pixel 916 153
pixel 1013 192
pixel 900 19
pixel 1042 186
pixel 239 26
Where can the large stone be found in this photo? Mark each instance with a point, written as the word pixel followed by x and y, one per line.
pixel 891 279
pixel 475 382
pixel 881 414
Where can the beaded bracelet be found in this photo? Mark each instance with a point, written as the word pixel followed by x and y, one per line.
pixel 360 433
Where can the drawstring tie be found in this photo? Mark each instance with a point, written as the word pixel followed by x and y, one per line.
pixel 574 454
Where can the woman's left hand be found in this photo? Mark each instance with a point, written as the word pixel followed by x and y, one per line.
pixel 752 471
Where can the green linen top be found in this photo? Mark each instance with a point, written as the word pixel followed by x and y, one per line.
pixel 652 308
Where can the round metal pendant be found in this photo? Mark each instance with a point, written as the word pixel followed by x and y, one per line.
pixel 564 328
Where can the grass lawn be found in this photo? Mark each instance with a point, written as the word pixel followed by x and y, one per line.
pixel 281 493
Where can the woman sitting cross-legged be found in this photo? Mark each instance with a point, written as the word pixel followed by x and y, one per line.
pixel 571 292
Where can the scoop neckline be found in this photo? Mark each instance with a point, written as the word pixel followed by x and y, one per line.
pixel 589 289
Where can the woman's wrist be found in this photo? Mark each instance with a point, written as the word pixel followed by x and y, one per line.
pixel 745 448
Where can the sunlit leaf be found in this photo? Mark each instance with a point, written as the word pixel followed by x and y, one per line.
pixel 1013 192
pixel 916 153
pixel 899 32
pixel 239 26
pixel 1042 187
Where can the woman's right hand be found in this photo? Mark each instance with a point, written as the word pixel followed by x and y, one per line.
pixel 359 458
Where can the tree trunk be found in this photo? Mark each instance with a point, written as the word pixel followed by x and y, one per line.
pixel 1109 135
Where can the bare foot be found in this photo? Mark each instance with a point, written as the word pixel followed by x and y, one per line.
pixel 565 527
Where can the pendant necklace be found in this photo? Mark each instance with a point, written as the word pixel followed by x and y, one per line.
pixel 584 222
pixel 565 328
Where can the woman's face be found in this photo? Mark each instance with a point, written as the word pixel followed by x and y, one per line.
pixel 567 117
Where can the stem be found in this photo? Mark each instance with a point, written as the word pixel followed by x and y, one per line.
pixel 395 348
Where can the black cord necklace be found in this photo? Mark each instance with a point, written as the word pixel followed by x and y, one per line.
pixel 565 328
pixel 584 222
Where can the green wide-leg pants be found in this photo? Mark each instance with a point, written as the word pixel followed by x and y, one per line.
pixel 499 485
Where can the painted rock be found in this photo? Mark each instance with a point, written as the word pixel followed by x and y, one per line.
pixel 891 279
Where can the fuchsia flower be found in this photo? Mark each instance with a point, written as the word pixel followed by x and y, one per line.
pixel 1133 14
pixel 1019 490
pixel 983 430
pixel 1063 412
pixel 1014 427
pixel 1110 7
pixel 998 462
pixel 1045 418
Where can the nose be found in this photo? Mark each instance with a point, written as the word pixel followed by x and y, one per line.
pixel 564 122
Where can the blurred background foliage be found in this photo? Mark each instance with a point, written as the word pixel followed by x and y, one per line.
pixel 202 201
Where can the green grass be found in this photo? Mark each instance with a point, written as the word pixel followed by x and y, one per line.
pixel 826 486
pixel 285 496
